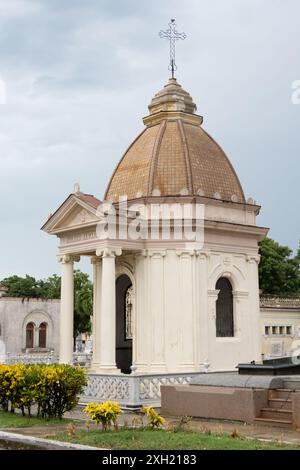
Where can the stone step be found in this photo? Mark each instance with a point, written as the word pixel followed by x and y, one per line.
pixel 280 393
pixel 282 423
pixel 276 414
pixel 292 384
pixel 280 403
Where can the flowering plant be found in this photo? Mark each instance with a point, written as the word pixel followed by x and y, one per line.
pixel 105 413
pixel 154 418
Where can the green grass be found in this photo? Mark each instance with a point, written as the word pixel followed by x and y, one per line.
pixel 164 440
pixel 16 420
pixel 141 438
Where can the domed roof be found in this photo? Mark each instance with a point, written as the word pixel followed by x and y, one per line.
pixel 174 156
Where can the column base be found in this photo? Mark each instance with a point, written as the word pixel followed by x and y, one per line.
pixel 97 368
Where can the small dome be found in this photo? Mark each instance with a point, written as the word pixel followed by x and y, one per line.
pixel 174 156
pixel 172 98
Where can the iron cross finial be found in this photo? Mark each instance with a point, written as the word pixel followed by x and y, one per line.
pixel 172 35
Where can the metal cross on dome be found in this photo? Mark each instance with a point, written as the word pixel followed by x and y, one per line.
pixel 172 35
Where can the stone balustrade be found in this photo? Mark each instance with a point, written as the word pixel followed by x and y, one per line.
pixel 271 301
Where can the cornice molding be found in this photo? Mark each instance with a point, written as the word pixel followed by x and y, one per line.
pixel 213 293
pixel 238 294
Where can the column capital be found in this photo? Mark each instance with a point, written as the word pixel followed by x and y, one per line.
pixel 202 254
pixel 96 259
pixel 185 253
pixel 68 258
pixel 254 259
pixel 141 254
pixel 108 252
pixel 157 253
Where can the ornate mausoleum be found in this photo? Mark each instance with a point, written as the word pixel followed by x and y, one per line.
pixel 165 308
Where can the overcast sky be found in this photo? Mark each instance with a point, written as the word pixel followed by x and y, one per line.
pixel 80 74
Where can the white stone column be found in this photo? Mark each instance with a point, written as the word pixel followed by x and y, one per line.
pixel 202 319
pixel 96 327
pixel 254 306
pixel 36 335
pixel 212 297
pixel 107 337
pixel 157 310
pixel 186 351
pixel 66 342
pixel 142 342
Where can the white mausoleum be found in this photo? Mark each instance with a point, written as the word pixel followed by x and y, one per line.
pixel 165 306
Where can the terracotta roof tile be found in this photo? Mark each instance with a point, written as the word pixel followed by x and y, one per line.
pixel 89 199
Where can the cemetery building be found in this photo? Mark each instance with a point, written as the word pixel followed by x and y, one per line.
pixel 165 309
pixel 280 326
pixel 29 327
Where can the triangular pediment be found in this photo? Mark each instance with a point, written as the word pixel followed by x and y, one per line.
pixel 72 214
pixel 78 216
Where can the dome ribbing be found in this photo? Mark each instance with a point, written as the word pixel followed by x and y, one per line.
pixel 174 156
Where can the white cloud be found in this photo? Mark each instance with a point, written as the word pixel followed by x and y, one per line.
pixel 18 8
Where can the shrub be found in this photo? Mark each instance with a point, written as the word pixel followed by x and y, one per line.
pixel 5 386
pixel 23 391
pixel 105 413
pixel 15 389
pixel 54 388
pixel 58 388
pixel 154 419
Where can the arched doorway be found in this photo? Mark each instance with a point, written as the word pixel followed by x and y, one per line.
pixel 124 323
pixel 224 309
pixel 29 335
pixel 43 335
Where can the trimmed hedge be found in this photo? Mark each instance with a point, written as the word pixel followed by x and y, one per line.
pixel 53 388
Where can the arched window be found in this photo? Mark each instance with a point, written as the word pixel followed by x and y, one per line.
pixel 29 335
pixel 42 335
pixel 224 309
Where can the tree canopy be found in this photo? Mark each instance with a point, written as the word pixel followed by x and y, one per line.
pixel 279 270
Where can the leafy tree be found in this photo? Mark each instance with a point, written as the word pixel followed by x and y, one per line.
pixel 21 286
pixel 279 270
pixel 50 288
pixel 83 302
